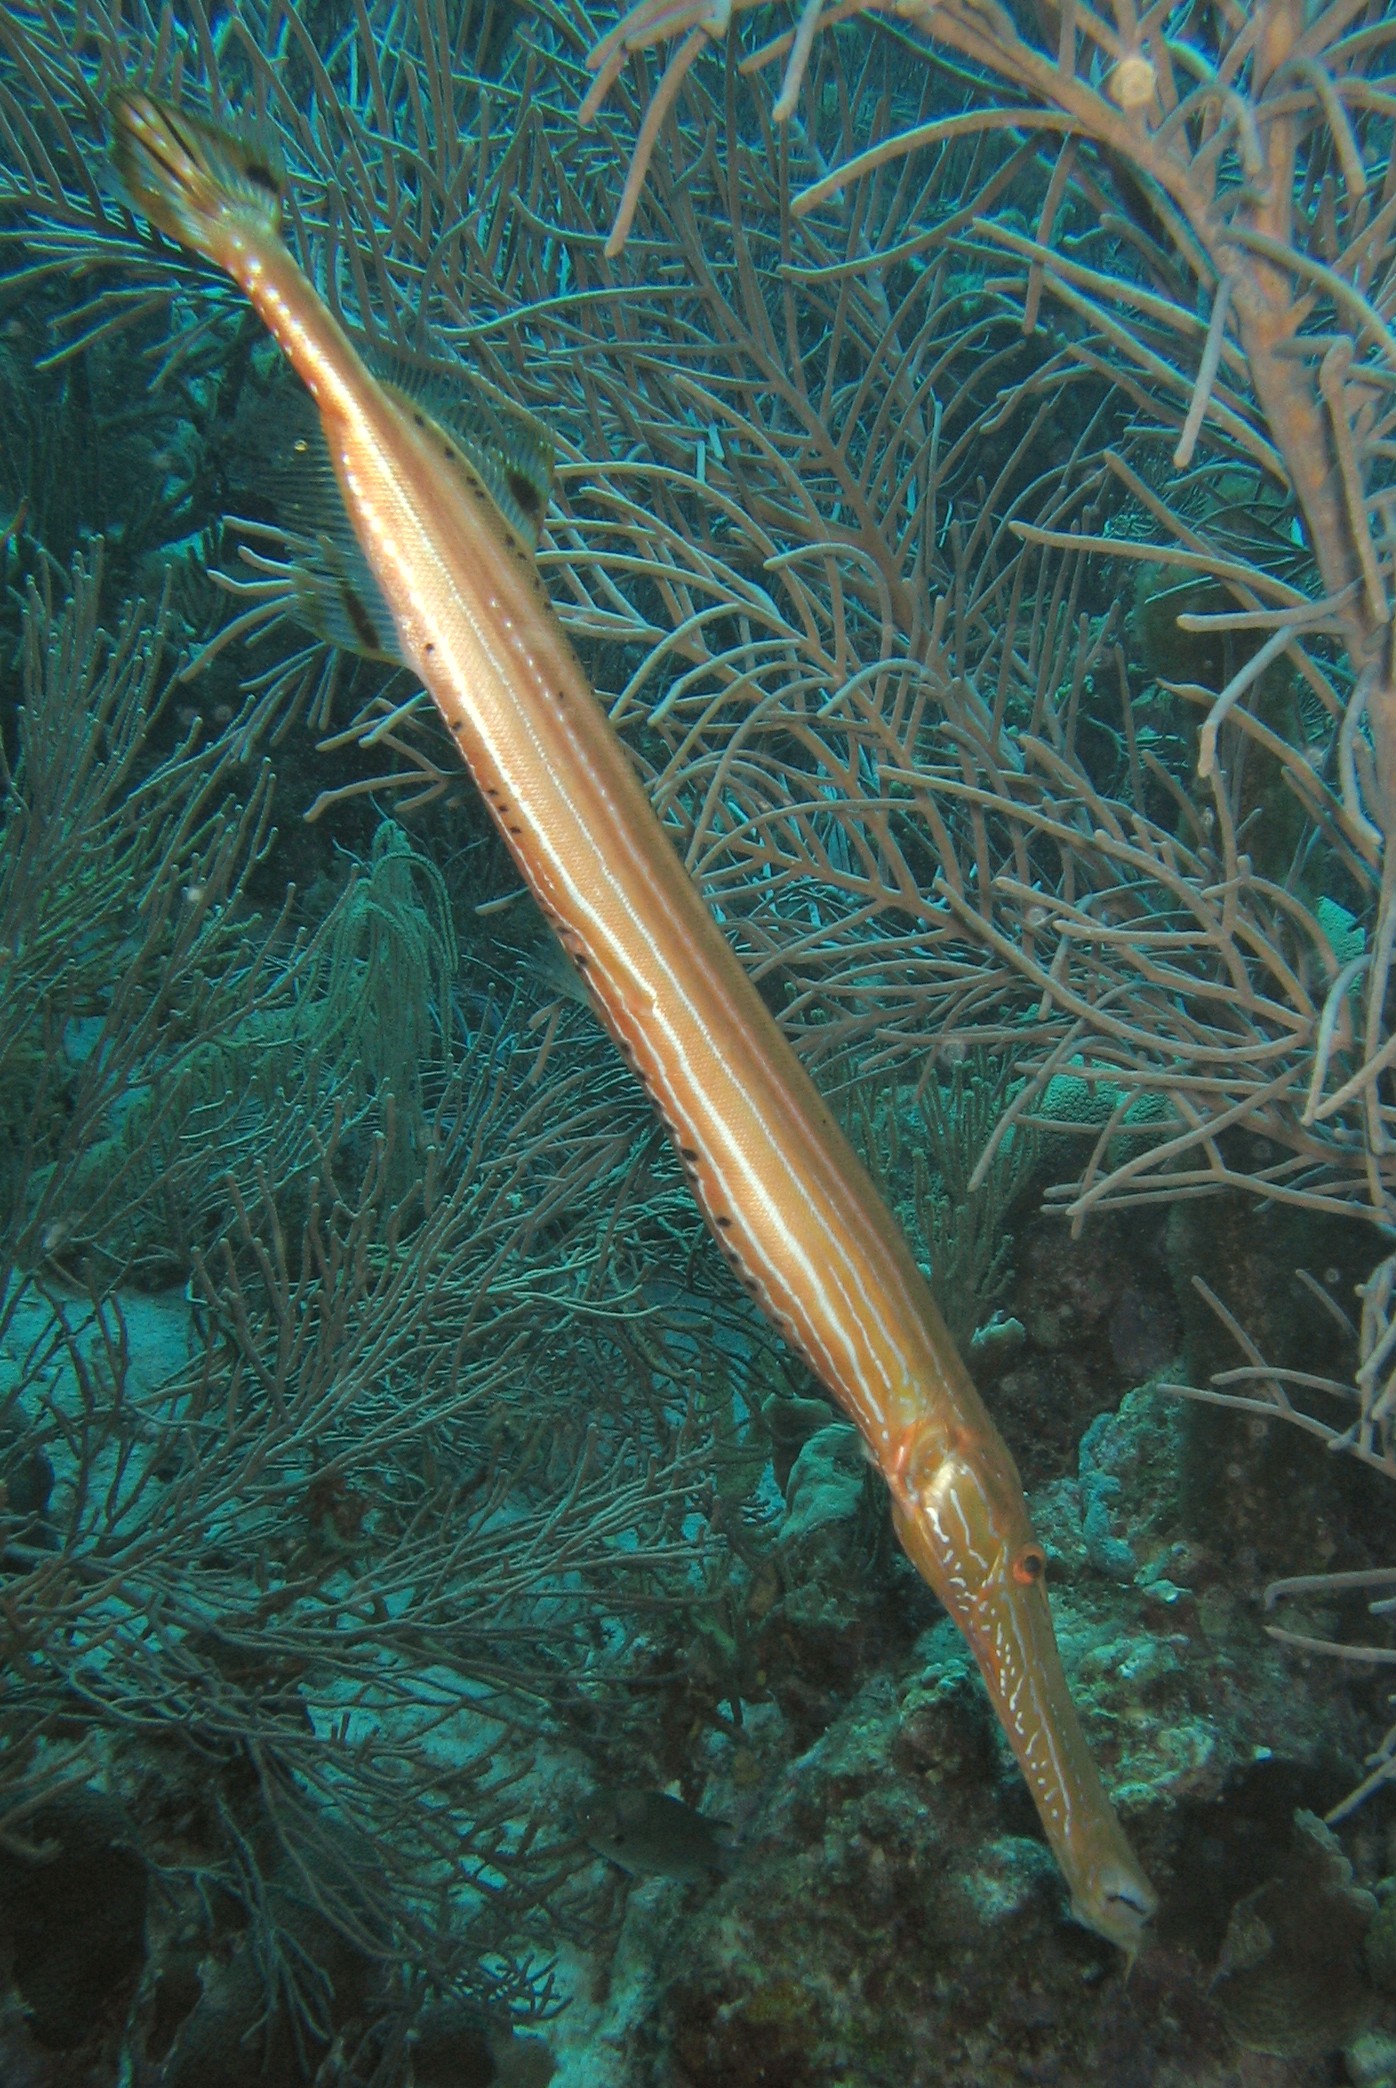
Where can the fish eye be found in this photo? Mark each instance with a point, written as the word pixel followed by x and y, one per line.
pixel 1030 1565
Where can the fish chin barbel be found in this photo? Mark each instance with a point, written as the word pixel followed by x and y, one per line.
pixel 443 512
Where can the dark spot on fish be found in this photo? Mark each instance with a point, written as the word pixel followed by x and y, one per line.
pixel 261 176
pixel 419 420
pixel 429 648
pixel 688 1152
pixel 365 629
pixel 161 161
pixel 183 138
pixel 525 493
pixel 723 1220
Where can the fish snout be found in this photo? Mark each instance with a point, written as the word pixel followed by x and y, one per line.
pixel 1118 1902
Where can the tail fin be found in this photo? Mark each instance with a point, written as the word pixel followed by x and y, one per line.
pixel 192 180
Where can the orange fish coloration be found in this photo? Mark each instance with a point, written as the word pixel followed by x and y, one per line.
pixel 446 529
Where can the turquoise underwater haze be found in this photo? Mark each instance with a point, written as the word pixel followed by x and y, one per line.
pixel 697 1129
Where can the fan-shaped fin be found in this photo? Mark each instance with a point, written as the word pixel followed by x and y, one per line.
pixel 504 451
pixel 289 471
pixel 508 450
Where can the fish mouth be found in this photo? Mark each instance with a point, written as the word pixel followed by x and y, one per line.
pixel 1014 1642
pixel 1119 1905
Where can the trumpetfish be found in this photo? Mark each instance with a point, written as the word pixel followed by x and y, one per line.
pixel 446 522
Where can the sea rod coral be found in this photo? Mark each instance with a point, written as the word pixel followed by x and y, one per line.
pixel 867 523
pixel 252 1582
pixel 445 526
pixel 1212 215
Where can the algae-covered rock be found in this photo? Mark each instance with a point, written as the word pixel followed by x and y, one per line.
pixel 894 1919
pixel 1370 2060
pixel 72 1916
pixel 1379 1945
pixel 1291 1980
pixel 824 1492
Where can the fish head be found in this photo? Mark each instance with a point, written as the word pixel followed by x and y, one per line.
pixel 961 1519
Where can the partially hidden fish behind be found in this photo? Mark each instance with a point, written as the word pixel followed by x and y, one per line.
pixel 445 524
pixel 652 1834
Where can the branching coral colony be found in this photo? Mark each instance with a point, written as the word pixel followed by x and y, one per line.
pixel 254 1576
pixel 843 500
pixel 1219 191
pixel 1216 194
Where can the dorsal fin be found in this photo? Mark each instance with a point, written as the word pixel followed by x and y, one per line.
pixel 508 450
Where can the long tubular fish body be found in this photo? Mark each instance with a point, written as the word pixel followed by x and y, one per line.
pixel 788 1201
